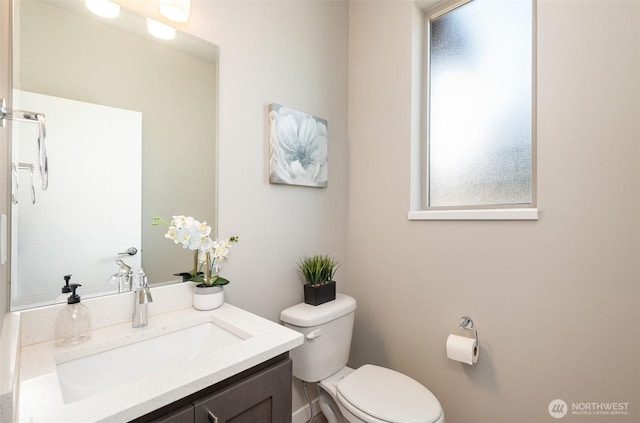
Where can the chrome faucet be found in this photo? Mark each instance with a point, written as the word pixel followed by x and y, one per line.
pixel 124 276
pixel 141 297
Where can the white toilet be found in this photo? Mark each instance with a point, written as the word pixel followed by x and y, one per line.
pixel 370 393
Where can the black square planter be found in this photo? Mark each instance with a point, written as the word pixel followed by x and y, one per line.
pixel 320 294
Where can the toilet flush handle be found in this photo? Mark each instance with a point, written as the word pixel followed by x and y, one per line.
pixel 314 334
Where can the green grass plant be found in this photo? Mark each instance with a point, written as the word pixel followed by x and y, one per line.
pixel 317 269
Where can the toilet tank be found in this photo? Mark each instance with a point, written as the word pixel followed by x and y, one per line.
pixel 327 330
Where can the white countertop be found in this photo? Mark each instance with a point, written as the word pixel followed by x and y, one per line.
pixel 40 398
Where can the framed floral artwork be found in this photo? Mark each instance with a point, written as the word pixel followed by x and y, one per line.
pixel 298 148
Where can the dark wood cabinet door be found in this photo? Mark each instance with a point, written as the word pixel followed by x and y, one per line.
pixel 264 397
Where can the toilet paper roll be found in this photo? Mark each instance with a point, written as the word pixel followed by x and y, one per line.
pixel 462 349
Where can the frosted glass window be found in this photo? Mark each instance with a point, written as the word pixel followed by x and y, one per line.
pixel 479 105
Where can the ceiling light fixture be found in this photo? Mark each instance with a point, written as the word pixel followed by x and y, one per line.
pixel 176 10
pixel 103 8
pixel 160 30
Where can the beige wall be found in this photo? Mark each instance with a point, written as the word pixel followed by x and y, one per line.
pixel 556 301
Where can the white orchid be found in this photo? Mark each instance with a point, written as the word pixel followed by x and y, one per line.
pixel 195 235
pixel 218 252
pixel 189 232
pixel 172 233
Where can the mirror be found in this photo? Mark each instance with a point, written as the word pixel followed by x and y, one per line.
pixel 94 75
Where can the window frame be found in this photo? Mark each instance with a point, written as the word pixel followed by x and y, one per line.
pixel 420 208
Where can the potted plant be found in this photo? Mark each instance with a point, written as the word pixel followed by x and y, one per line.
pixel 317 272
pixel 208 256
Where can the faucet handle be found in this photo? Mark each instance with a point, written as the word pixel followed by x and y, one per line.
pixel 124 267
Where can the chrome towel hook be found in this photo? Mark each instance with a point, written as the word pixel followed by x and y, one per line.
pixel 43 155
pixel 31 117
pixel 14 191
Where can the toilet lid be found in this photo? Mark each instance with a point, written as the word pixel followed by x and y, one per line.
pixel 389 396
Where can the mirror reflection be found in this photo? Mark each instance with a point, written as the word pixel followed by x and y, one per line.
pixel 131 130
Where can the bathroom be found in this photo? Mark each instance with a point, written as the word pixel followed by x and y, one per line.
pixel 556 301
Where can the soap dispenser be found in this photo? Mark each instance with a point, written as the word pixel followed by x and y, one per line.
pixel 73 325
pixel 65 289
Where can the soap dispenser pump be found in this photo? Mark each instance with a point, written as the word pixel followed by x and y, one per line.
pixel 73 325
pixel 64 290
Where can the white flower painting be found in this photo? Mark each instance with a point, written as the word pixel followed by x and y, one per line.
pixel 298 148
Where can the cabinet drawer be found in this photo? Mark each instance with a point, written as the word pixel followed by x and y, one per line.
pixel 264 397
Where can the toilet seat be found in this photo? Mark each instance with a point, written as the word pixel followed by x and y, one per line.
pixel 377 394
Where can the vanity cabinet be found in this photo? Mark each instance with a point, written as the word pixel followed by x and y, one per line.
pixel 261 394
pixel 262 397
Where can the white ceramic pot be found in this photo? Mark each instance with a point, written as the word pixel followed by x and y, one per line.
pixel 207 297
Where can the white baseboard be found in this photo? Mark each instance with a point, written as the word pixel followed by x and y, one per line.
pixel 302 414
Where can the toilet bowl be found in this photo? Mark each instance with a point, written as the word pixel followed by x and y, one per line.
pixel 376 395
pixel 370 394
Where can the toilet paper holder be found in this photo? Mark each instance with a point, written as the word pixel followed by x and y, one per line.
pixel 467 324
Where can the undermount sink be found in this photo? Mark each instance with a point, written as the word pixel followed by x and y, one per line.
pixel 85 376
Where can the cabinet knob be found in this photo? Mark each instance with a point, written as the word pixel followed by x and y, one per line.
pixel 212 417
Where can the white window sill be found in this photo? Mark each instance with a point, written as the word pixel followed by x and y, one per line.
pixel 478 214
